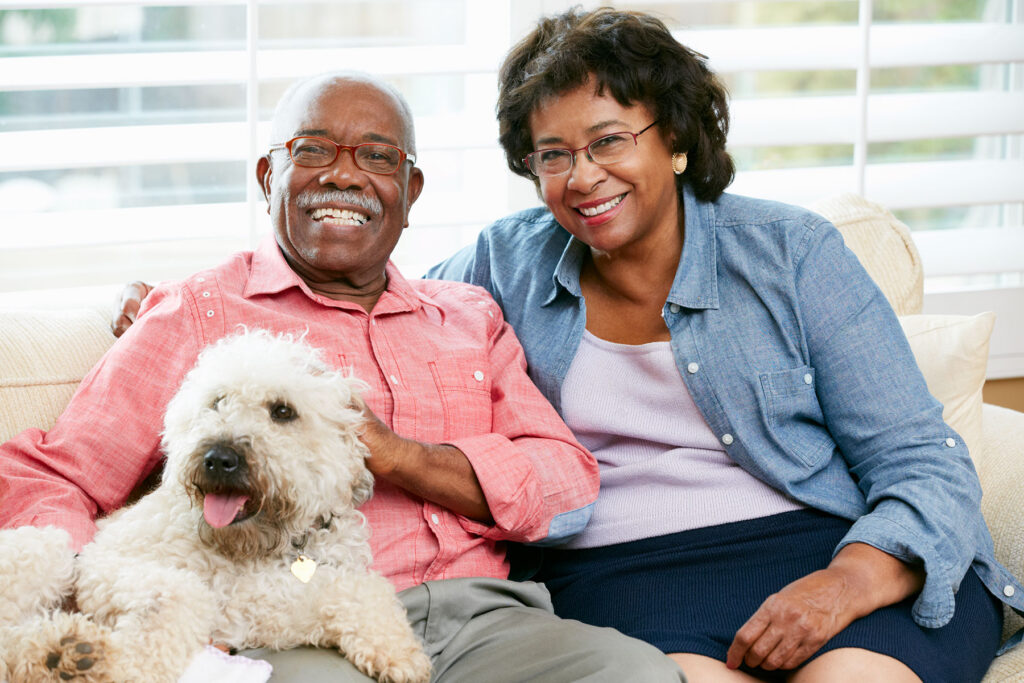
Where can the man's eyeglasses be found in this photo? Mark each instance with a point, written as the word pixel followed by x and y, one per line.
pixel 607 149
pixel 375 157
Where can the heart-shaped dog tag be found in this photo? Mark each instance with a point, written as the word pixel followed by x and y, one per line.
pixel 303 568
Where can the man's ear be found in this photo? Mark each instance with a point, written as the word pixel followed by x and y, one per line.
pixel 415 187
pixel 264 176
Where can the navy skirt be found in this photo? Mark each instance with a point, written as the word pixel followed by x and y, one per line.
pixel 691 591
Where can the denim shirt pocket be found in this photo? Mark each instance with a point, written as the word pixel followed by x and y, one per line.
pixel 793 417
pixel 463 382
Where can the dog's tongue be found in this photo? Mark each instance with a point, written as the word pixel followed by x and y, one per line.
pixel 220 509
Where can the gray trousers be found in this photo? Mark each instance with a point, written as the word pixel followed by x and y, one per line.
pixel 496 631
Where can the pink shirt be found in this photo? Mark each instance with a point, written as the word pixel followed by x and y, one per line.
pixel 442 365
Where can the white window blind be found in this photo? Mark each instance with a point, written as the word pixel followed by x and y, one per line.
pixel 128 130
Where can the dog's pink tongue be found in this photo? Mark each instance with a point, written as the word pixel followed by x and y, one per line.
pixel 220 509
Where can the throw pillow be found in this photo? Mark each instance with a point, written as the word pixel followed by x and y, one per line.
pixel 952 352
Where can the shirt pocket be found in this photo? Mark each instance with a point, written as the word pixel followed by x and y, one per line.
pixel 463 383
pixel 790 408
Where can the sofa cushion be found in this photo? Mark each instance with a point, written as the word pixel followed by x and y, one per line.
pixel 884 246
pixel 43 357
pixel 952 352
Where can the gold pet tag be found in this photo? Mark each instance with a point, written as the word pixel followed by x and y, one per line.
pixel 303 568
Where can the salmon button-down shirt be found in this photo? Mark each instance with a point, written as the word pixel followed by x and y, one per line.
pixel 442 366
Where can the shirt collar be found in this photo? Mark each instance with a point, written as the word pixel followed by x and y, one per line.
pixel 695 284
pixel 271 274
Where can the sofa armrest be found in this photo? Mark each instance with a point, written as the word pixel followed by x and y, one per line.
pixel 1001 469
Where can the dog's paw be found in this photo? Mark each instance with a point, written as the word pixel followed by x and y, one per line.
pixel 75 659
pixel 414 668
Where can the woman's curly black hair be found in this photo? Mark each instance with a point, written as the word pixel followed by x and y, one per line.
pixel 634 57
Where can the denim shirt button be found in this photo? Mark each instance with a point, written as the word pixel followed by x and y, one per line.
pixel 692 368
pixel 1008 591
pixel 951 442
pixel 673 308
pixel 727 439
pixel 808 379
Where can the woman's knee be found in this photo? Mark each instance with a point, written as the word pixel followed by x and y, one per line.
pixel 851 665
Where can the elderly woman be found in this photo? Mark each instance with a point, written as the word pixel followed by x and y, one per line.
pixel 780 497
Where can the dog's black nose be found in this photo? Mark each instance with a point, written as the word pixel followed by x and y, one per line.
pixel 221 460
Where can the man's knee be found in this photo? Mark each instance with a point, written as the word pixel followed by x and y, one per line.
pixel 624 658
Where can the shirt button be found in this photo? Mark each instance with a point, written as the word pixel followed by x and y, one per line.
pixel 434 519
pixel 478 376
pixel 692 368
pixel 727 439
pixel 673 308
pixel 1008 591
pixel 200 279
pixel 209 314
pixel 808 379
pixel 951 442
pixel 394 380
pixel 206 295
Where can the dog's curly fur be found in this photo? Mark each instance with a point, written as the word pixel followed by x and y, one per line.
pixel 159 580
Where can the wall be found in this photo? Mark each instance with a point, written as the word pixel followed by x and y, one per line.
pixel 1005 392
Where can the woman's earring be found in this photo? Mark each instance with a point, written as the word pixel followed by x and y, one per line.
pixel 679 163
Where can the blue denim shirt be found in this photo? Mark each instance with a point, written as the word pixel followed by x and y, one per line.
pixel 798 364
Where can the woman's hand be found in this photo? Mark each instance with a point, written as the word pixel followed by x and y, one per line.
pixel 794 623
pixel 127 306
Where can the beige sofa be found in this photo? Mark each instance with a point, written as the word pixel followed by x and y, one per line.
pixel 44 355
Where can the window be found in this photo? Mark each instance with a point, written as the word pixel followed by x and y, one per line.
pixel 128 129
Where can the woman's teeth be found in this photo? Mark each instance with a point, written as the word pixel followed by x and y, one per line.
pixel 601 208
pixel 340 216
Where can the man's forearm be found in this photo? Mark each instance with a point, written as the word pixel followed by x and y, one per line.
pixel 439 473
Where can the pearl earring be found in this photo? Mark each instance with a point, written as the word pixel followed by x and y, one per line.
pixel 679 163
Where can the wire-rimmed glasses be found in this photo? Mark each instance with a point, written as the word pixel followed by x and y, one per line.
pixel 607 149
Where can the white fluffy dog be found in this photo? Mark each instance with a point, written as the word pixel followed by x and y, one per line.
pixel 251 539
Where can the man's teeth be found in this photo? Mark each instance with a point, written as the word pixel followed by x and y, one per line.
pixel 601 208
pixel 340 215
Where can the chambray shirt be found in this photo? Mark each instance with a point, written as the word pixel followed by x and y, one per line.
pixel 798 364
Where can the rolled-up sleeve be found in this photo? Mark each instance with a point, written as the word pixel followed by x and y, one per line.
pixel 107 439
pixel 914 471
pixel 540 483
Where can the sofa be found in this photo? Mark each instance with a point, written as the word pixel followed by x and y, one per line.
pixel 45 354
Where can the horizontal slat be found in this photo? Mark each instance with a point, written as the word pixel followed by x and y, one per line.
pixel 897 185
pixel 94 227
pixel 833 120
pixel 32 150
pixel 971 251
pixel 152 69
pixel 837 47
pixel 77 4
pixel 106 264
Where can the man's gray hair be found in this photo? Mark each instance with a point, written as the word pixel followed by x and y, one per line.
pixel 279 135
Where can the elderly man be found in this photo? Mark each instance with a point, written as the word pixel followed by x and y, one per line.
pixel 466 452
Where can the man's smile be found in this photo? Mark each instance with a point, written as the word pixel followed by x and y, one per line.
pixel 339 216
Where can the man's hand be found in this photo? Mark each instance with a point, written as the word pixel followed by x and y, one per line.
pixel 794 623
pixel 126 308
pixel 439 473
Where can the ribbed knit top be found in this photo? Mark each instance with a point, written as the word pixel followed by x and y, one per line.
pixel 662 469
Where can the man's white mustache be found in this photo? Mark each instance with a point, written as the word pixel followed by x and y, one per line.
pixel 310 200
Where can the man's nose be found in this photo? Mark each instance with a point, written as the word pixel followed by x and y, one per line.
pixel 343 172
